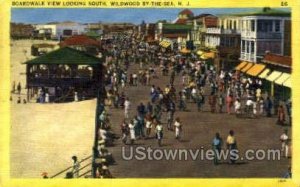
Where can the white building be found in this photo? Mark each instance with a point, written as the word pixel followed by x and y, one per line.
pixel 63 29
pixel 268 30
pixel 225 34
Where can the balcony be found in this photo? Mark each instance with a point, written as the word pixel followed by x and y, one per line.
pixel 261 35
pixel 216 30
pixel 248 57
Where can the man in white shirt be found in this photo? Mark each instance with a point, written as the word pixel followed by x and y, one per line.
pixel 126 108
pixel 284 143
pixel 178 128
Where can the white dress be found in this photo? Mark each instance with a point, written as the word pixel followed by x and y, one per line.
pixel 75 96
pixel 148 124
pixel 237 106
pixel 177 128
pixel 132 131
pixel 47 98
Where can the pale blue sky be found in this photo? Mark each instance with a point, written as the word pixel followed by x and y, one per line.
pixel 87 15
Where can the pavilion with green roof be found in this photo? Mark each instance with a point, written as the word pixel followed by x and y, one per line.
pixel 64 71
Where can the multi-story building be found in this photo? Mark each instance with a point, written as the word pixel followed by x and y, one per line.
pixel 266 30
pixel 224 40
pixel 200 24
pixel 177 33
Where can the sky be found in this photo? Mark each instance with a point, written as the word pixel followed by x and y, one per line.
pixel 89 15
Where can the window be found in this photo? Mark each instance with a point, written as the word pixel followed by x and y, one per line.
pixel 252 25
pixel 247 47
pixel 222 43
pixel 252 47
pixel 234 25
pixel 259 25
pixel 243 46
pixel 264 26
pixel 277 26
pixel 232 44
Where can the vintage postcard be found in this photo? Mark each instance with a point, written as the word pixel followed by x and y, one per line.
pixel 124 92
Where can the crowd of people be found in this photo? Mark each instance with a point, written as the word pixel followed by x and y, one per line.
pixel 228 92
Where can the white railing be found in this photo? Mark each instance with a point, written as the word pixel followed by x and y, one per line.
pixel 261 35
pixel 271 35
pixel 213 30
pixel 216 30
pixel 248 57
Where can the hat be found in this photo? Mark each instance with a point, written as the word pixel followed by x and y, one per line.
pixel 104 167
pixel 44 174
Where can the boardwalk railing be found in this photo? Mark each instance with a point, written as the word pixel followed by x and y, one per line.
pixel 84 163
pixel 99 109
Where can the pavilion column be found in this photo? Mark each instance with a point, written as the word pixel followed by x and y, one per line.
pixel 73 70
pixel 27 80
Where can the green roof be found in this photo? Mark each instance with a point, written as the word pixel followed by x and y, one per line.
pixel 177 26
pixel 66 55
pixel 92 34
pixel 265 12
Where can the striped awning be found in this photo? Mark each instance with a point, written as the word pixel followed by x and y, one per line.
pixel 264 74
pixel 256 69
pixel 282 78
pixel 241 65
pixel 273 76
pixel 165 43
pixel 185 50
pixel 288 83
pixel 209 55
pixel 247 67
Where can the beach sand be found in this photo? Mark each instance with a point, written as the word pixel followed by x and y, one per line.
pixel 44 137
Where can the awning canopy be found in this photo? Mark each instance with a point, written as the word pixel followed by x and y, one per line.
pixel 288 83
pixel 256 69
pixel 206 55
pixel 185 50
pixel 273 76
pixel 200 52
pixel 282 78
pixel 241 65
pixel 264 74
pixel 247 67
pixel 165 43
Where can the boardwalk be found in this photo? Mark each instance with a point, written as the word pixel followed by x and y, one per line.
pixel 199 129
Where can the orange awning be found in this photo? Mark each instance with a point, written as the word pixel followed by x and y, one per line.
pixel 241 65
pixel 247 67
pixel 256 69
pixel 185 50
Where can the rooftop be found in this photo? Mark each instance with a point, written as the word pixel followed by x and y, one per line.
pixel 66 55
pixel 204 15
pixel 186 12
pixel 79 40
pixel 177 26
pixel 285 61
pixel 266 11
pixel 181 21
